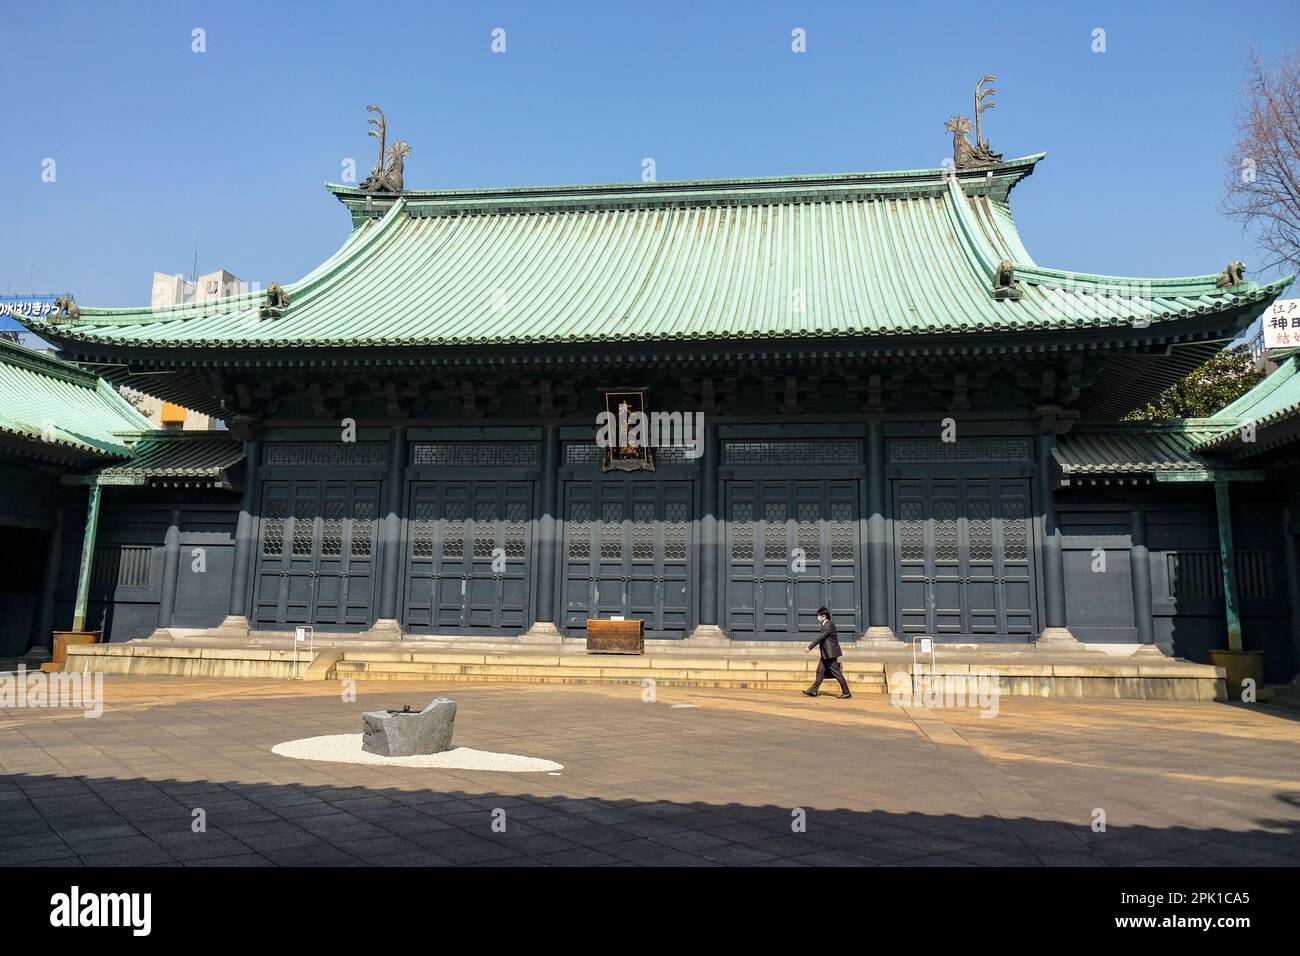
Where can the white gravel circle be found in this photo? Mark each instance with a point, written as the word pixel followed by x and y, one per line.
pixel 346 748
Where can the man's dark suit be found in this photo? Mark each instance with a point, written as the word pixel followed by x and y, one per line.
pixel 829 642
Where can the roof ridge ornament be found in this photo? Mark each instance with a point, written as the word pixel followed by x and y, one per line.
pixel 65 310
pixel 1234 273
pixel 385 178
pixel 1004 282
pixel 277 300
pixel 965 153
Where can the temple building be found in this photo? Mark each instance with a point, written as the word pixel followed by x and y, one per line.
pixel 905 418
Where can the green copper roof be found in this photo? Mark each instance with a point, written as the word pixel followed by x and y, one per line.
pixel 1271 402
pixel 54 406
pixel 177 458
pixel 868 254
pixel 1138 448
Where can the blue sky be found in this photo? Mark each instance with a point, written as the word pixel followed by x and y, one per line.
pixel 157 147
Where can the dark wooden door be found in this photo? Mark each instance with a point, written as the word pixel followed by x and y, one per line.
pixel 792 546
pixel 963 558
pixel 468 544
pixel 627 546
pixel 316 553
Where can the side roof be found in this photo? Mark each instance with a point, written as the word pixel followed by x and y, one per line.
pixel 55 407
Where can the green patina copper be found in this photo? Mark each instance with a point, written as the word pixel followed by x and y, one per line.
pixel 48 402
pixel 1227 556
pixel 87 557
pixel 884 256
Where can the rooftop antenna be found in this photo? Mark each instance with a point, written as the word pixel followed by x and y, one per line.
pixel 194 269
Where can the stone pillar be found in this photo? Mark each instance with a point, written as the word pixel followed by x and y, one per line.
pixel 1140 569
pixel 1056 636
pixel 87 556
pixel 49 587
pixel 1227 557
pixel 879 631
pixel 390 540
pixel 236 622
pixel 545 628
pixel 708 630
pixel 171 571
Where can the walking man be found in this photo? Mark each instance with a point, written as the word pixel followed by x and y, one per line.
pixel 829 644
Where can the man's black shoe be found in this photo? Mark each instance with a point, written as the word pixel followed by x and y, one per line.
pixel 843 696
pixel 809 693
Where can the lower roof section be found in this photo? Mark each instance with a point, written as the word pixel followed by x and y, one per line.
pixel 178 458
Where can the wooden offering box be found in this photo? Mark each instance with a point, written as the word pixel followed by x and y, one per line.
pixel 615 637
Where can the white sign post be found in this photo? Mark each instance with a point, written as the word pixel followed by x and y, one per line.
pixel 925 645
pixel 1281 324
pixel 303 633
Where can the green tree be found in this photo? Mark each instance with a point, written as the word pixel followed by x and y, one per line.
pixel 1223 379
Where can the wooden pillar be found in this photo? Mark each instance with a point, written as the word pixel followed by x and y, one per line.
pixel 245 535
pixel 1055 635
pixel 709 629
pixel 1231 610
pixel 879 628
pixel 87 557
pixel 545 629
pixel 390 539
pixel 50 583
pixel 171 570
pixel 1140 570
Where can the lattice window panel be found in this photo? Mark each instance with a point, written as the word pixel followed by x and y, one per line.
pixel 742 531
pixel 934 451
pixel 331 530
pixel 611 530
pixel 423 529
pixel 945 531
pixel 1015 530
pixel 304 512
pixel 1198 575
pixel 363 528
pixel 577 453
pixel 325 453
pixel 979 514
pixel 843 527
pixel 516 530
pixel 273 528
pixel 829 452
pixel 453 530
pixel 675 527
pixel 501 453
pixel 643 530
pixel 774 538
pixel 580 530
pixel 911 531
pixel 485 529
pixel 808 530
pixel 123 566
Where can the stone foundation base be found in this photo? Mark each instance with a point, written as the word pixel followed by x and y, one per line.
pixel 1058 639
pixel 707 635
pixel 384 629
pixel 1150 651
pixel 881 636
pixel 542 632
pixel 236 625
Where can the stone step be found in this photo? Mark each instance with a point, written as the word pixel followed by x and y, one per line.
pixel 593 671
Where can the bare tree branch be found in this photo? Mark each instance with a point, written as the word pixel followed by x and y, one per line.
pixel 1262 176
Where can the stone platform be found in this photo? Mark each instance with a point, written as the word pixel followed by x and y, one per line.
pixel 1020 670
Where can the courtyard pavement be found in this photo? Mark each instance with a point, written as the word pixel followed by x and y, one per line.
pixel 695 778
